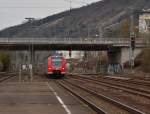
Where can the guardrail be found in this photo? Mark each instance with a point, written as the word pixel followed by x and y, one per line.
pixel 113 41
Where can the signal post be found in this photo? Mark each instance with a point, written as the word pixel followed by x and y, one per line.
pixel 132 47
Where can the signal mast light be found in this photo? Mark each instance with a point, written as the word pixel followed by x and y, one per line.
pixel 70 53
pixel 133 42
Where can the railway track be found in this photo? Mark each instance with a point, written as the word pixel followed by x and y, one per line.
pixel 98 102
pixel 5 76
pixel 125 78
pixel 114 85
pixel 130 84
pixel 133 81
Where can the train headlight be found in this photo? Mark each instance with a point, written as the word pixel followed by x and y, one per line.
pixel 63 68
pixel 49 68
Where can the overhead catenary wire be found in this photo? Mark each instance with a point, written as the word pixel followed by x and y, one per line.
pixel 24 7
pixel 77 1
pixel 46 7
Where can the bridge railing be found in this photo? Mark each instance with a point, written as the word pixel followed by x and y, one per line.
pixel 114 41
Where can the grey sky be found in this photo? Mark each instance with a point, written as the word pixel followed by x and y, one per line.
pixel 13 12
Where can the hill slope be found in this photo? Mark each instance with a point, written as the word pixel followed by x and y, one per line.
pixel 81 22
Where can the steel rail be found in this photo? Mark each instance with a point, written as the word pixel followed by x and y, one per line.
pixel 117 103
pixel 2 79
pixel 136 82
pixel 119 86
pixel 89 103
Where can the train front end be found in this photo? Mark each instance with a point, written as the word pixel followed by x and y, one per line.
pixel 56 66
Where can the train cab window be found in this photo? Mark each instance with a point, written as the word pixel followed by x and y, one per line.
pixel 56 63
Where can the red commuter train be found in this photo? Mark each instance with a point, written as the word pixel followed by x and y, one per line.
pixel 56 66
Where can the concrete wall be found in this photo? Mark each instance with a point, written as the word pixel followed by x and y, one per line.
pixel 121 55
pixel 117 58
pixel 125 54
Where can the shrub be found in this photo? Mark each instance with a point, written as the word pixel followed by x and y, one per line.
pixel 5 59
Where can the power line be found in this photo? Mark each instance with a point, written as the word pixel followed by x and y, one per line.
pixel 75 1
pixel 44 7
pixel 24 7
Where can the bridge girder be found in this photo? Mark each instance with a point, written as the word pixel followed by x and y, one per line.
pixel 42 47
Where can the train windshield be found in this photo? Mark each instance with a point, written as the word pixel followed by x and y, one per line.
pixel 56 63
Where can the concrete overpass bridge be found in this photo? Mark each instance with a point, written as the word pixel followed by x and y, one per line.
pixel 92 44
pixel 118 48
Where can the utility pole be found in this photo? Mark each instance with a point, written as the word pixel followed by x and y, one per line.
pixel 101 31
pixel 70 5
pixel 31 51
pixel 68 32
pixel 100 53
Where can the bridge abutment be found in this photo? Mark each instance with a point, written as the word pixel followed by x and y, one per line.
pixel 117 57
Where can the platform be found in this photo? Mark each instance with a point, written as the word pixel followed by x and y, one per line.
pixel 39 98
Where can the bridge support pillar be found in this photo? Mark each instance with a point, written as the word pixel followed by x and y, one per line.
pixel 118 57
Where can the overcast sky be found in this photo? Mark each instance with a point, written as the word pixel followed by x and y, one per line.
pixel 13 12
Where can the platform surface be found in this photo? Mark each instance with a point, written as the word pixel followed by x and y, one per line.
pixel 39 98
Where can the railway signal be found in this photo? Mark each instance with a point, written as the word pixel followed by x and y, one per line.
pixel 70 53
pixel 133 42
